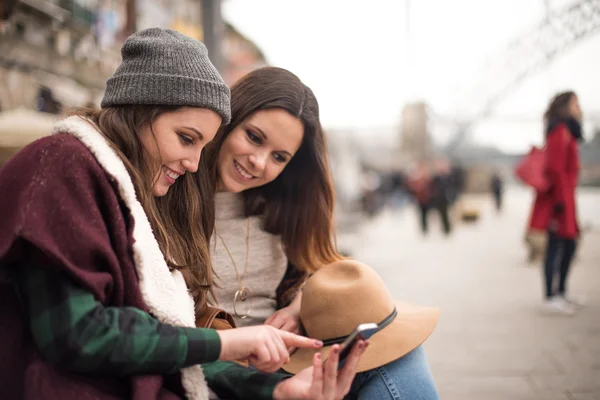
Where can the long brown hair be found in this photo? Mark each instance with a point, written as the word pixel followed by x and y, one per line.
pixel 558 108
pixel 299 203
pixel 173 217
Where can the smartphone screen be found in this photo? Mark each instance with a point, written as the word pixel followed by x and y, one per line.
pixel 362 332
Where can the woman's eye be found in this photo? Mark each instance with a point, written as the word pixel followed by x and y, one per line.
pixel 279 158
pixel 186 140
pixel 253 138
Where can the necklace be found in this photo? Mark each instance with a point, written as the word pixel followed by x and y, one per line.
pixel 243 293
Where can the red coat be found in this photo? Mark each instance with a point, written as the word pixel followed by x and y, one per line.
pixel 562 171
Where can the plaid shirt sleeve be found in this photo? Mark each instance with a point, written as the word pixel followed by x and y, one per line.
pixel 230 380
pixel 73 330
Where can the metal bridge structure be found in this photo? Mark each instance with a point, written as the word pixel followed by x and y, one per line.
pixel 531 52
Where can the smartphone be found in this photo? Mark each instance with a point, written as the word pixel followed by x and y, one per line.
pixel 362 332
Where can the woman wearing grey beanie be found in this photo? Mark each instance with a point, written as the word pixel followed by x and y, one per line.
pixel 96 245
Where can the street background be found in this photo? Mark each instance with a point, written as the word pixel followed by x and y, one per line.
pixel 492 342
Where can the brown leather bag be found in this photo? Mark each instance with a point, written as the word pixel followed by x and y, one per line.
pixel 215 318
pixel 218 319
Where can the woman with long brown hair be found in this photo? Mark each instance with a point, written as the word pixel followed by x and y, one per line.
pixel 555 210
pixel 274 216
pixel 102 227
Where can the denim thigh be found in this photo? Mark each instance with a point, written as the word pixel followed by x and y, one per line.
pixel 407 378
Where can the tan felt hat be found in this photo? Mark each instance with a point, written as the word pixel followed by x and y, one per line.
pixel 342 295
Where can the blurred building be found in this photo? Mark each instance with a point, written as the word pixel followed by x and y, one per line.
pixel 59 53
pixel 241 55
pixel 56 53
pixel 416 145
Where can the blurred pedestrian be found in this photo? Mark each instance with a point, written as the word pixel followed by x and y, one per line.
pixel 554 210
pixel 431 192
pixel 371 192
pixel 456 183
pixel 497 188
pixel 439 192
pixel 418 184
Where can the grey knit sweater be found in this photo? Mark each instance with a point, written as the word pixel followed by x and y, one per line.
pixel 267 261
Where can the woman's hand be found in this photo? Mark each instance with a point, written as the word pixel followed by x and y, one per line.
pixel 286 319
pixel 322 382
pixel 263 346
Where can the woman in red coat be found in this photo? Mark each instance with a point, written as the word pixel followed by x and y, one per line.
pixel 555 210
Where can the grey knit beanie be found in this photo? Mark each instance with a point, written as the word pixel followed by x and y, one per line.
pixel 164 67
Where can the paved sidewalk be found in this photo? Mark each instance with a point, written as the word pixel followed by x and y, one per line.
pixel 492 342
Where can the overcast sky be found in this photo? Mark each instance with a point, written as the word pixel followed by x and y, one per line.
pixel 364 62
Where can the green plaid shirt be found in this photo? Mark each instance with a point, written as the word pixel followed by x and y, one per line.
pixel 73 330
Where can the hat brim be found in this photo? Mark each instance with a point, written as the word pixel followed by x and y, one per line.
pixel 410 328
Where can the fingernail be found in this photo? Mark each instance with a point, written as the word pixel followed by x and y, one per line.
pixel 318 343
pixel 319 356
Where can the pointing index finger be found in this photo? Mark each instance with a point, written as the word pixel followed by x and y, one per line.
pixel 293 340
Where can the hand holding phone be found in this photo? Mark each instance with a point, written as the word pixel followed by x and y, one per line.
pixel 362 332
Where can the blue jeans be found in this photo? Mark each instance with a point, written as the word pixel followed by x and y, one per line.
pixel 559 256
pixel 407 378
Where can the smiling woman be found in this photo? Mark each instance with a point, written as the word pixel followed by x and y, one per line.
pixel 274 151
pixel 87 242
pixel 175 140
pixel 273 226
pixel 257 150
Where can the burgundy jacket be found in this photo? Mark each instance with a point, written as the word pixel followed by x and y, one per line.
pixel 69 195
